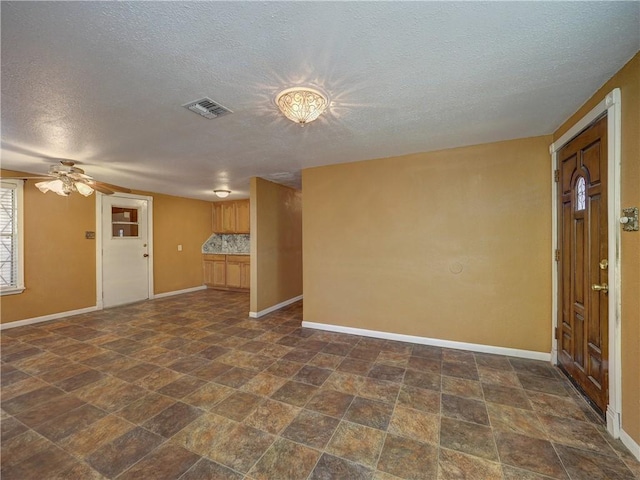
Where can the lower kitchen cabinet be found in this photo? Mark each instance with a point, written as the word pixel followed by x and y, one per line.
pixel 228 272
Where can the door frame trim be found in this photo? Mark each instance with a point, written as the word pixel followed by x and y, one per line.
pixel 99 197
pixel 611 104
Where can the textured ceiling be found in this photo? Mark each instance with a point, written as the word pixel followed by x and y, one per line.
pixel 102 83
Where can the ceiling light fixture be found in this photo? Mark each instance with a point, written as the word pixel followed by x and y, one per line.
pixel 64 186
pixel 222 193
pixel 301 105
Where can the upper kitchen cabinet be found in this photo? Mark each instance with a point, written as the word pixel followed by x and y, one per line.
pixel 217 217
pixel 242 216
pixel 231 216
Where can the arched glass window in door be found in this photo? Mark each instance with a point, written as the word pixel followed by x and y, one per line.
pixel 581 194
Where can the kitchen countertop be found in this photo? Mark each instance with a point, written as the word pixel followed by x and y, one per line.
pixel 227 244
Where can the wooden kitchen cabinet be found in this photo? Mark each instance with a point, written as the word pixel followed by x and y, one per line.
pixel 238 271
pixel 215 270
pixel 242 216
pixel 227 272
pixel 217 217
pixel 245 275
pixel 233 273
pixel 231 216
pixel 219 273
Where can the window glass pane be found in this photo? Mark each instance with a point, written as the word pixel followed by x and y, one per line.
pixel 120 214
pixel 124 230
pixel 581 194
pixel 8 252
pixel 124 222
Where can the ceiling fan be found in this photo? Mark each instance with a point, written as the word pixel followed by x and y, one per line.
pixel 66 178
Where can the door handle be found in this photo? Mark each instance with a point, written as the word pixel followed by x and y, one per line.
pixel 600 288
pixel 145 255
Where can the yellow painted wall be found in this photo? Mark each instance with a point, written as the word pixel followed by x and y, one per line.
pixel 276 244
pixel 628 80
pixel 60 264
pixel 453 245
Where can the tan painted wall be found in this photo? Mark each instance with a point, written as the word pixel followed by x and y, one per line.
pixel 628 80
pixel 276 244
pixel 383 240
pixel 60 264
pixel 179 221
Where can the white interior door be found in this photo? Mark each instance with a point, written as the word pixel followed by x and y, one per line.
pixel 125 250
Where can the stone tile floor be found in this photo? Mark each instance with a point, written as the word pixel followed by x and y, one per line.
pixel 189 387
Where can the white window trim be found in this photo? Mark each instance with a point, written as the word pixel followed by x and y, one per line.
pixel 19 288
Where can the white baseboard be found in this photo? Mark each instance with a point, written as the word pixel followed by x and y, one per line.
pixel 275 307
pixel 613 421
pixel 474 347
pixel 179 292
pixel 47 318
pixel 630 443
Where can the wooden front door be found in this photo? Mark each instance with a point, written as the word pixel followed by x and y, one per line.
pixel 583 317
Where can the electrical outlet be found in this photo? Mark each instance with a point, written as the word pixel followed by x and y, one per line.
pixel 179 248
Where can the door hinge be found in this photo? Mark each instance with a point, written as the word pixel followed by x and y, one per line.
pixel 556 175
pixel 557 255
pixel 557 333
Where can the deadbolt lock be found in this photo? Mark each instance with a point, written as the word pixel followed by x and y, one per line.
pixel 629 220
pixel 604 263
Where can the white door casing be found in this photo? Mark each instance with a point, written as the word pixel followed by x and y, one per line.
pixel 124 265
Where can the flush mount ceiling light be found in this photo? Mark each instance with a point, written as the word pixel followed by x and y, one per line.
pixel 222 193
pixel 301 105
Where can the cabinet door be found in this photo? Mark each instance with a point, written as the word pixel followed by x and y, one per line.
pixel 233 273
pixel 245 275
pixel 217 218
pixel 229 217
pixel 208 272
pixel 219 273
pixel 242 216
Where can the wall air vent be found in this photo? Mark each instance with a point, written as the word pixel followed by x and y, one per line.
pixel 207 108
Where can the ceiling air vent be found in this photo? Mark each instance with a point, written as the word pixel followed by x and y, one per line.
pixel 207 108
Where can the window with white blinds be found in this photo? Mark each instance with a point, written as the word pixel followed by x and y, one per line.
pixel 11 264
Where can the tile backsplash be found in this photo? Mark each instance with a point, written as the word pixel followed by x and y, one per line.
pixel 227 243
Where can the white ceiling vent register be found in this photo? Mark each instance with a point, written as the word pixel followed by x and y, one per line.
pixel 207 108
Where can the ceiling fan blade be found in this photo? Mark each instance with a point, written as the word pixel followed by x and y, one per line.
pixel 108 186
pixel 102 189
pixel 48 177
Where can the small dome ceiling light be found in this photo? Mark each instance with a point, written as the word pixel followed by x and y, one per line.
pixel 222 193
pixel 301 105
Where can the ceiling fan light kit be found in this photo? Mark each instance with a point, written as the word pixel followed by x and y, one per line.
pixel 66 178
pixel 302 105
pixel 64 186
